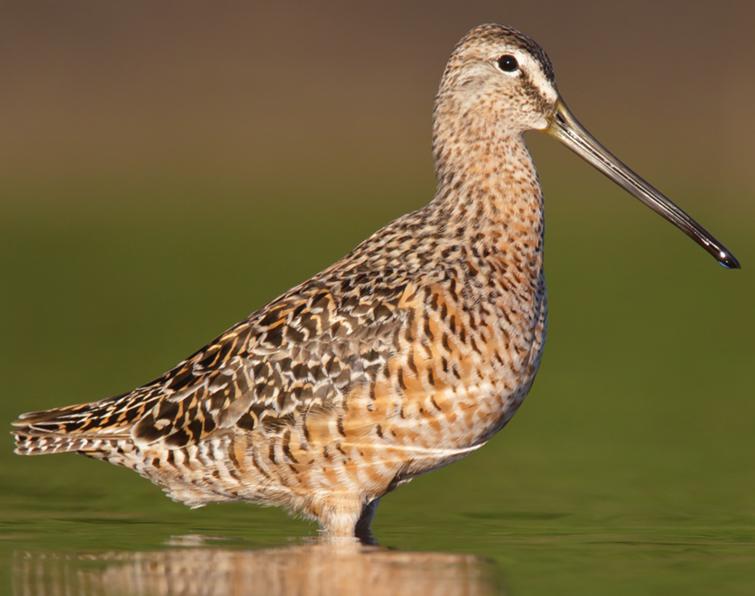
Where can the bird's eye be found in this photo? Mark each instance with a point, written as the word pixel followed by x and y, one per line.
pixel 507 63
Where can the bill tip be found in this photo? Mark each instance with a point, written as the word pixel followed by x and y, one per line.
pixel 728 260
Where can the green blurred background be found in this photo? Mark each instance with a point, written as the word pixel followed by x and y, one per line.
pixel 166 168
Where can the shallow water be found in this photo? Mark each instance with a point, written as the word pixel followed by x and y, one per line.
pixel 629 470
pixel 303 568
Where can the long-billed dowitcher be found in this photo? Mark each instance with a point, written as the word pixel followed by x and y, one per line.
pixel 405 355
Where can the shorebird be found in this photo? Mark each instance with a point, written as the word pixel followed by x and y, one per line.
pixel 405 355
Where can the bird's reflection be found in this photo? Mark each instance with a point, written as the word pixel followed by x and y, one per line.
pixel 319 568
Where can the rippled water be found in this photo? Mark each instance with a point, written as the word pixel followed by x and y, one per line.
pixel 629 470
pixel 244 550
pixel 302 568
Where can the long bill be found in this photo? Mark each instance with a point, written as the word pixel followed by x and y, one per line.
pixel 570 132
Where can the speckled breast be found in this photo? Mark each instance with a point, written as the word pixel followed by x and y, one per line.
pixel 464 361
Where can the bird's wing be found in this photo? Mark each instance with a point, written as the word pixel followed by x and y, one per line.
pixel 303 352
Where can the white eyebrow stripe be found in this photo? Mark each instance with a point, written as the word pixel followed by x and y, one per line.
pixel 536 74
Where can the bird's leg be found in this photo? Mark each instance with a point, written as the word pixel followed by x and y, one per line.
pixel 338 514
pixel 362 531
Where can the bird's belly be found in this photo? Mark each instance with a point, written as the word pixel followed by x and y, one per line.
pixel 431 404
pixel 460 426
pixel 445 425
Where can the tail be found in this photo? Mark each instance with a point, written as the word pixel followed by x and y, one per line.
pixel 79 428
pixel 53 431
pixel 30 443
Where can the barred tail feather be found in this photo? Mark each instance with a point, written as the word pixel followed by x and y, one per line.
pixel 80 428
pixel 33 443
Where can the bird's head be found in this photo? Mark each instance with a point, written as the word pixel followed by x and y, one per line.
pixel 499 83
pixel 500 79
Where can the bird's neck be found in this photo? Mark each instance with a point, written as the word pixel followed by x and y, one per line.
pixel 489 194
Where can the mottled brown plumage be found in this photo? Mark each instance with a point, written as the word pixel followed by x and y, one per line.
pixel 401 357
